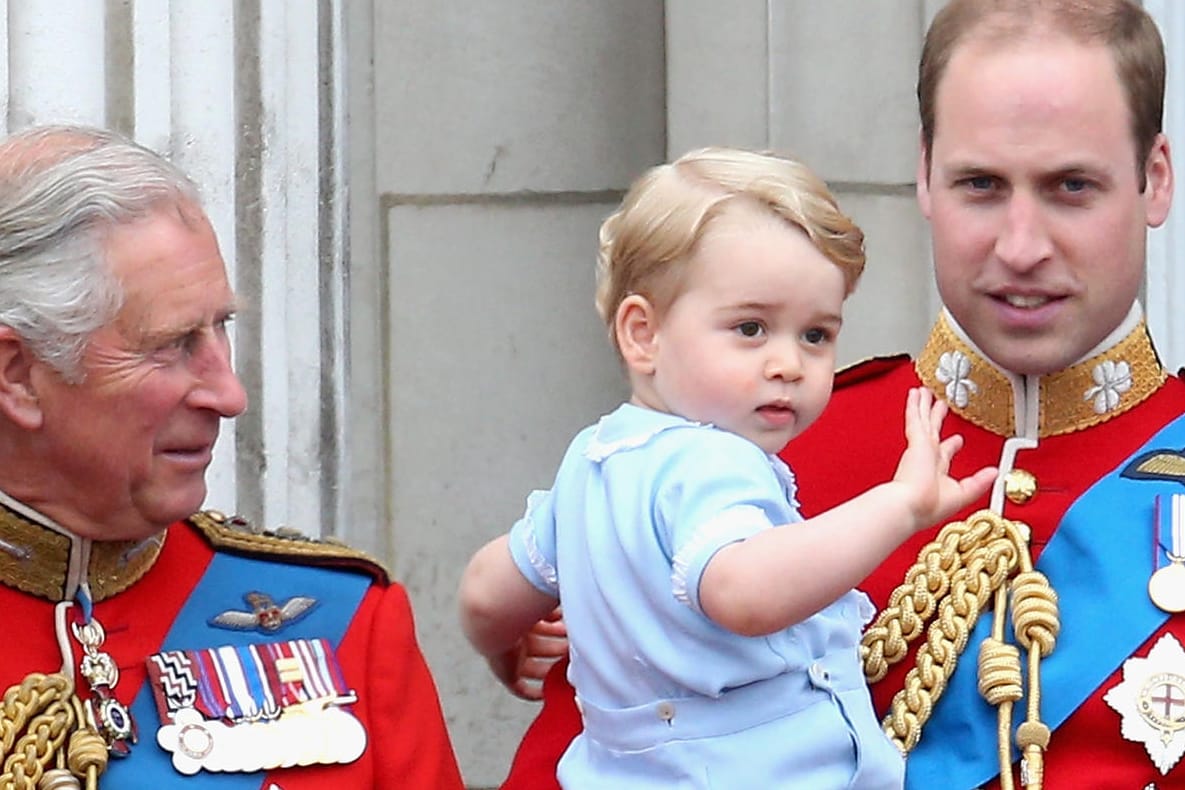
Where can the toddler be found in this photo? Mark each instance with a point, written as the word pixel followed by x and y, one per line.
pixel 714 633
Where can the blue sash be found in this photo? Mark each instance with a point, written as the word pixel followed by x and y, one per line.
pixel 1099 561
pixel 221 588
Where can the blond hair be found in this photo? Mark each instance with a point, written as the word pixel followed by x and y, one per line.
pixel 646 244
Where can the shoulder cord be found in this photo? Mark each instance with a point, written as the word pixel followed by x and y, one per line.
pixel 954 576
pixel 36 717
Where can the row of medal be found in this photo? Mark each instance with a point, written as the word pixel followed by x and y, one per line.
pixel 254 707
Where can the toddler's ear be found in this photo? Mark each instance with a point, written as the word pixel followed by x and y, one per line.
pixel 635 326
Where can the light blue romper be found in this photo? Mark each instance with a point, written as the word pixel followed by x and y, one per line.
pixel 669 699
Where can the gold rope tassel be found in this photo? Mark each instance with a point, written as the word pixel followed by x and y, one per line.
pixel 38 717
pixel 951 582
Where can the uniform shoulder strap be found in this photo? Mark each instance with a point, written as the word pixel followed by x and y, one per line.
pixel 237 535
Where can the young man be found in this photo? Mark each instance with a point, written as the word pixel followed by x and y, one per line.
pixel 190 648
pixel 1042 167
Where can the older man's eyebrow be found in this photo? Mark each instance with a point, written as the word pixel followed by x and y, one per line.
pixel 160 336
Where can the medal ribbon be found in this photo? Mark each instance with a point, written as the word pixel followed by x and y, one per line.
pixel 290 692
pixel 1164 550
pixel 221 588
pixel 1098 563
pixel 213 700
pixel 182 693
pixel 266 679
pixel 314 677
pixel 322 670
pixel 239 688
pixel 242 683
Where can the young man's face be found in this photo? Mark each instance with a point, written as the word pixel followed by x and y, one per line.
pixel 749 343
pixel 130 444
pixel 1034 200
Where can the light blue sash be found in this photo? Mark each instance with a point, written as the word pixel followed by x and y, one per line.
pixel 1099 562
pixel 220 589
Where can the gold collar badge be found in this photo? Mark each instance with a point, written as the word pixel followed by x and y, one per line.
pixel 37 559
pixel 1088 393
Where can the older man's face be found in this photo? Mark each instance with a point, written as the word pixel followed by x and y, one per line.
pixel 133 440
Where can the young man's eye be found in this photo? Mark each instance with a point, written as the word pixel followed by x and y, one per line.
pixel 980 183
pixel 749 328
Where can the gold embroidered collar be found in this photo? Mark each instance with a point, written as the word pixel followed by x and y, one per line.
pixel 50 563
pixel 1115 377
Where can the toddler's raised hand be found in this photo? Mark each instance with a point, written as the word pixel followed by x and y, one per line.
pixel 924 468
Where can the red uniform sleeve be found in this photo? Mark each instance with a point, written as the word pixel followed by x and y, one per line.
pixel 403 714
pixel 548 736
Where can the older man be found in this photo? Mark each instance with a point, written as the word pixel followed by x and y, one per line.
pixel 189 648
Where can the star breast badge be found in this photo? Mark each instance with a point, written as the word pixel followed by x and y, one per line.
pixel 1151 702
pixel 265 615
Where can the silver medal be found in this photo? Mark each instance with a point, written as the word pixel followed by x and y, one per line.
pixel 1166 588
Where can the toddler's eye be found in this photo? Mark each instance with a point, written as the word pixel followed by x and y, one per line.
pixel 816 336
pixel 749 328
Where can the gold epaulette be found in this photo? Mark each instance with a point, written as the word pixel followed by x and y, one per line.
pixel 238 535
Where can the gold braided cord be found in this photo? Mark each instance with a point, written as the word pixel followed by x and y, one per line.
pixel 946 638
pixel 38 717
pixel 914 602
pixel 87 757
pixel 1036 626
pixel 951 582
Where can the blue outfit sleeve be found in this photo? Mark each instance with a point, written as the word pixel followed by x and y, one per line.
pixel 533 543
pixel 720 490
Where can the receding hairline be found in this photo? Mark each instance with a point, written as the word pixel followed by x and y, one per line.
pixel 40 148
pixel 1122 27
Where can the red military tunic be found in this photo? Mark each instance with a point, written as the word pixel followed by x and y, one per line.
pixel 857 443
pixel 137 597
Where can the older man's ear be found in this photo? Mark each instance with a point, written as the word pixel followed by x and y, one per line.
pixel 18 391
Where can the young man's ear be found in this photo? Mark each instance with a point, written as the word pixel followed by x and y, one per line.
pixel 635 326
pixel 923 177
pixel 1158 190
pixel 18 393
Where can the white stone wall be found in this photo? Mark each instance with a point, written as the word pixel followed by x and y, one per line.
pixel 1165 290
pixel 505 133
pixel 790 75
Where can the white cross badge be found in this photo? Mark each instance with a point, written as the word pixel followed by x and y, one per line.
pixel 1151 700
